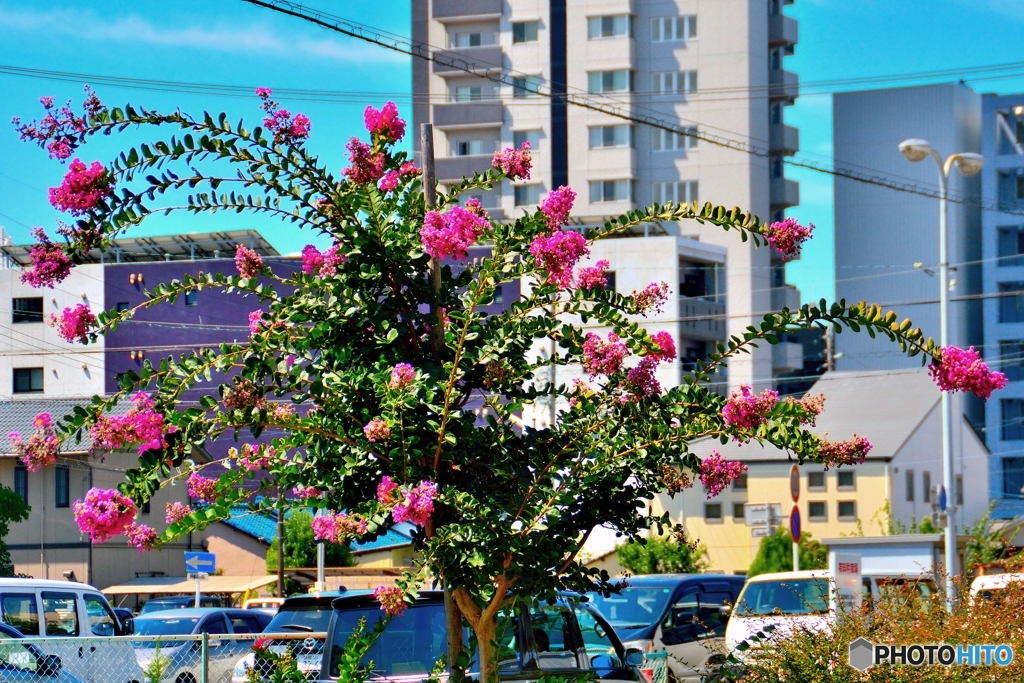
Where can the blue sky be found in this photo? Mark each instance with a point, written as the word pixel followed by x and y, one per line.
pixel 231 42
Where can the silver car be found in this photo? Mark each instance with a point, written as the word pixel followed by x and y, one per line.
pixel 23 662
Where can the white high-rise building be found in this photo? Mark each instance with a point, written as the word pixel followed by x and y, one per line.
pixel 711 66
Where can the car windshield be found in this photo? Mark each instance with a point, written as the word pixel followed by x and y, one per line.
pixel 634 607
pixel 164 626
pixel 410 645
pixel 792 597
pixel 161 605
pixel 312 618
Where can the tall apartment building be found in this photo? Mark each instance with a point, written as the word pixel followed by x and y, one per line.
pixel 704 65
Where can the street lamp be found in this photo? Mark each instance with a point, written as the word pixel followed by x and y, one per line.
pixel 916 149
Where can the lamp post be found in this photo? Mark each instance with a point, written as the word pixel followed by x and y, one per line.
pixel 968 163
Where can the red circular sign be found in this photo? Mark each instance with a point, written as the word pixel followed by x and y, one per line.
pixel 794 483
pixel 794 524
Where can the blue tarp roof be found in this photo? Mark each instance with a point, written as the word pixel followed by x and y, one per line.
pixel 264 527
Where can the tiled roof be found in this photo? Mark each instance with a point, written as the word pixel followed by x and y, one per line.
pixel 264 527
pixel 17 416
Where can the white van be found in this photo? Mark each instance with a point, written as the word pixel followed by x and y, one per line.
pixel 57 611
pixel 988 587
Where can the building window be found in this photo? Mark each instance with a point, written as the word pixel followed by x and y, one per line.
pixel 1012 419
pixel 847 510
pixel 817 511
pixel 1013 478
pixel 1011 359
pixel 740 483
pixel 62 487
pixel 527 86
pixel 777 168
pixel 665 29
pixel 678 191
pixel 1011 303
pixel 909 474
pixel 531 136
pixel 958 484
pixel 466 39
pixel 527 195
pixel 739 512
pixel 846 481
pixel 192 298
pixel 815 481
pixel 27 310
pixel 28 380
pixel 524 32
pixel 21 482
pixel 1011 245
pixel 499 295
pixel 608 27
pixel 673 82
pixel 611 191
pixel 693 354
pixel 776 115
pixel 666 141
pixel 926 487
pixel 609 81
pixel 775 60
pixel 609 278
pixel 611 136
pixel 122 306
pixel 712 512
pixel 468 148
pixel 469 93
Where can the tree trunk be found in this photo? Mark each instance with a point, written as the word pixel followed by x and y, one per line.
pixel 453 624
pixel 486 632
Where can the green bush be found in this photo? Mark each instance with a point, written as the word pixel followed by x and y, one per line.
pixel 775 554
pixel 662 555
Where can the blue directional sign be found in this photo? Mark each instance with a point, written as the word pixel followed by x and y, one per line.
pixel 205 563
pixel 942 498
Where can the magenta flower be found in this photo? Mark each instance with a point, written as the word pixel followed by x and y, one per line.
pixel 603 357
pixel 50 264
pixel 312 259
pixel 417 506
pixel 652 298
pixel 41 449
pixel 514 163
pixel 716 473
pixel 641 380
pixel 963 370
pixel 141 425
pixel 558 254
pixel 389 182
pixel 255 458
pixel 377 430
pixel 255 320
pixel 305 492
pixel 556 207
pixel 592 277
pixel 74 323
pixel 450 235
pixel 745 410
pixel 666 345
pixel 367 166
pixel 787 236
pixel 202 488
pixel 141 536
pixel 59 130
pixel 104 513
pixel 332 258
pixel 83 188
pixel 336 528
pixel 386 491
pixel 42 421
pixel 287 130
pixel 402 376
pixel 385 123
pixel 837 453
pixel 248 262
pixel 175 512
pixel 408 168
pixel 391 599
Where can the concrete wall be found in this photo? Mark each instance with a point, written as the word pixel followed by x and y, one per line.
pixel 237 553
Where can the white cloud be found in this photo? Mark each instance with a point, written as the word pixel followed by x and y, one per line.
pixel 246 39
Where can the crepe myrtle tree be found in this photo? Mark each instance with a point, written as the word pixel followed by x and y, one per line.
pixel 367 364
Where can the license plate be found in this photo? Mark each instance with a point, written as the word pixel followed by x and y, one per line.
pixel 307 662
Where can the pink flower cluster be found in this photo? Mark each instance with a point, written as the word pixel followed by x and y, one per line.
pixel 640 380
pixel 558 254
pixel 337 528
pixel 323 263
pixel 515 163
pixel 812 405
pixel 963 370
pixel 666 346
pixel 141 424
pixel 248 262
pixel 556 207
pixel 787 236
pixel 450 235
pixel 202 488
pixel 748 411
pixel 592 277
pixel 391 599
pixel 716 473
pixel 58 132
pixel 377 430
pixel 414 505
pixel 836 453
pixel 104 513
pixel 255 320
pixel 175 512
pixel 287 130
pixel 41 448
pixel 50 264
pixel 402 376
pixel 390 180
pixel 83 188
pixel 367 166
pixel 141 536
pixel 305 492
pixel 385 124
pixel 652 298
pixel 255 458
pixel 603 357
pixel 74 323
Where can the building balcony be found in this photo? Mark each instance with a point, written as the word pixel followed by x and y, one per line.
pixel 782 30
pixel 787 356
pixel 784 193
pixel 785 297
pixel 468 114
pixel 459 10
pixel 783 139
pixel 701 319
pixel 457 168
pixel 783 85
pixel 482 59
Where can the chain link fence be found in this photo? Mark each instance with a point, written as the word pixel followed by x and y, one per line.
pixel 655 667
pixel 203 658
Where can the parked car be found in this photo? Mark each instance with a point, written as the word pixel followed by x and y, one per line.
pixel 184 659
pixel 568 637
pixel 989 587
pixel 310 613
pixel 268 605
pixel 23 662
pixel 180 602
pixel 123 614
pixel 677 613
pixel 57 610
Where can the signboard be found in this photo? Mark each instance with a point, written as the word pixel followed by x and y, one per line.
pixel 794 483
pixel 755 514
pixel 794 523
pixel 846 569
pixel 198 576
pixel 200 562
pixel 760 532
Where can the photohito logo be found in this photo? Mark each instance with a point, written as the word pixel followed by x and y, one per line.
pixel 864 654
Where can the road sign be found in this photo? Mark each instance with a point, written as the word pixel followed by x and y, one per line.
pixel 755 514
pixel 200 562
pixel 794 523
pixel 760 532
pixel 794 483
pixel 942 498
pixel 198 576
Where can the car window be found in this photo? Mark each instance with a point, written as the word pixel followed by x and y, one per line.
pixel 410 645
pixel 792 597
pixel 61 613
pixel 301 618
pixel 20 611
pixel 215 625
pixel 634 607
pixel 245 625
pixel 553 637
pixel 710 615
pixel 101 620
pixel 685 611
pixel 595 636
pixel 16 656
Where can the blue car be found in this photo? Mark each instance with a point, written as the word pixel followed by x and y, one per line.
pixel 23 662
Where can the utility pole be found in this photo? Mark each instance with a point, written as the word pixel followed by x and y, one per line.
pixel 280 545
pixel 830 349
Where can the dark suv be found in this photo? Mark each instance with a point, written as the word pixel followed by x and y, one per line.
pixel 568 637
